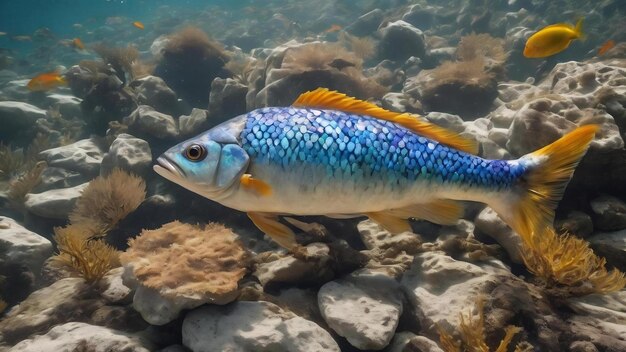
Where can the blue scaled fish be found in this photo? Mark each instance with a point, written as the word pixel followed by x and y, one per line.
pixel 329 154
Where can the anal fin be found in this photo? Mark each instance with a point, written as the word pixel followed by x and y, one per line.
pixel 280 233
pixel 438 211
pixel 390 222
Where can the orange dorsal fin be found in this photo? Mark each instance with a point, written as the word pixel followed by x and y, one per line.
pixel 323 98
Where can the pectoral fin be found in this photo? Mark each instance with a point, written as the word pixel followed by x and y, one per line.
pixel 281 234
pixel 439 211
pixel 390 222
pixel 255 185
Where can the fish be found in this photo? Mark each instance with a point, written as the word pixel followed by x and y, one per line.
pixel 552 39
pixel 78 44
pixel 46 81
pixel 22 38
pixel 138 24
pixel 333 155
pixel 333 28
pixel 608 45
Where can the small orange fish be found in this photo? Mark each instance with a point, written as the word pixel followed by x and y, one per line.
pixel 46 81
pixel 334 28
pixel 138 24
pixel 78 44
pixel 606 47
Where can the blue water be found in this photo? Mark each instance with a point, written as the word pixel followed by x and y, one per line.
pixel 24 17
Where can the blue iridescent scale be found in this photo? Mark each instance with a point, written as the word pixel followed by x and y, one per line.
pixel 364 147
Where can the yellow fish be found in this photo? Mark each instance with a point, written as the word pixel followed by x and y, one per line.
pixel 552 39
pixel 138 24
pixel 46 81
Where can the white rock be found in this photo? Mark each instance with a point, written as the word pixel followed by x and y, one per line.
pixel 439 287
pixel 374 236
pixel 408 341
pixel 113 288
pixel 489 223
pixel 194 123
pixel 83 156
pixel 292 270
pixel 147 122
pixel 83 337
pixel 153 91
pixel 159 310
pixel 252 326
pixel 128 153
pixel 364 308
pixel 610 213
pixel 616 239
pixel 609 307
pixel 22 246
pixel 55 203
pixel 69 105
pixel 20 111
pixel 43 308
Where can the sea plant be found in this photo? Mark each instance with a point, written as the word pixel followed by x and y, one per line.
pixel 11 161
pixel 107 200
pixel 82 255
pixel 121 59
pixel 567 264
pixel 24 184
pixel 472 331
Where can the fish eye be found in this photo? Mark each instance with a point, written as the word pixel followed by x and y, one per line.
pixel 195 152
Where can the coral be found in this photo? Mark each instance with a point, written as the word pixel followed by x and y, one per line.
pixel 569 261
pixel 189 62
pixel 472 71
pixel 318 56
pixel 294 68
pixel 363 47
pixel 473 334
pixel 121 59
pixel 458 87
pixel 107 200
pixel 185 260
pixel 82 255
pixel 481 46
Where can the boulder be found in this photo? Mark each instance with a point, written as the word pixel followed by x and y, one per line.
pixel 364 307
pixel 153 91
pixel 17 120
pixel 63 301
pixel 55 203
pixel 366 24
pixel 57 177
pixel 84 337
pixel 288 269
pixel 227 100
pixel 576 223
pixel 83 156
pixel 401 40
pixel 147 123
pixel 68 105
pixel 194 123
pixel 128 153
pixel 253 326
pixel 609 213
pixel 489 223
pixel 23 247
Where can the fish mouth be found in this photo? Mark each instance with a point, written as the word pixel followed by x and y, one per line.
pixel 168 169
